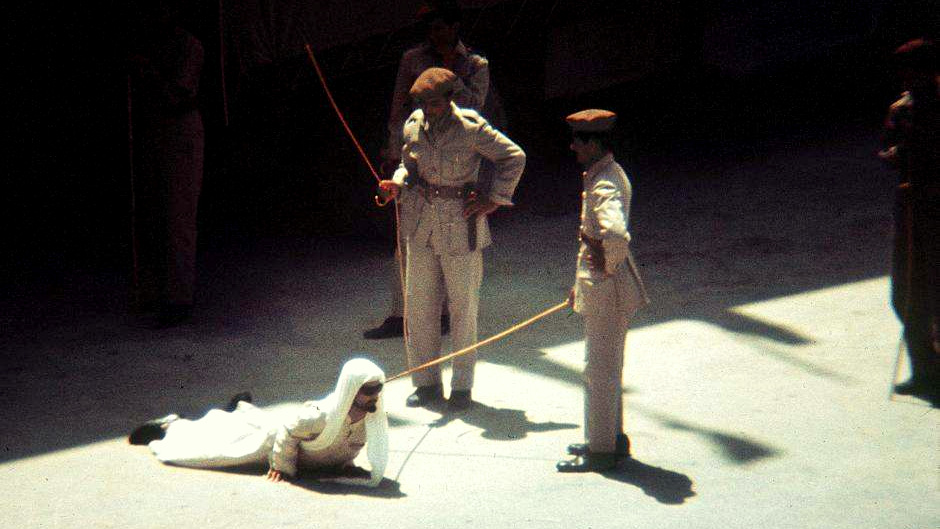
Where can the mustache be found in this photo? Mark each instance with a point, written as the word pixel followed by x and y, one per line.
pixel 371 407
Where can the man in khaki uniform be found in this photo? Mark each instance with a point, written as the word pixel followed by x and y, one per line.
pixel 442 48
pixel 607 291
pixel 444 226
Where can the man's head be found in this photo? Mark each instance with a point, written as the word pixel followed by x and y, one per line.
pixel 433 91
pixel 441 23
pixel 367 397
pixel 917 65
pixel 590 131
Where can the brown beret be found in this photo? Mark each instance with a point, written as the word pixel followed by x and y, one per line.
pixel 433 82
pixel 592 120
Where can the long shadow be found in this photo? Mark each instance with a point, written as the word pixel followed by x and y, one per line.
pixel 736 449
pixel 666 486
pixel 500 424
pixel 387 489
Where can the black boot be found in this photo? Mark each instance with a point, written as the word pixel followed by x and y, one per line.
pixel 233 402
pixel 590 462
pixel 151 430
pixel 425 396
pixel 392 327
pixel 621 450
pixel 459 400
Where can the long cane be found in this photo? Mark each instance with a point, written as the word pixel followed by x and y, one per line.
pixel 133 194
pixel 487 341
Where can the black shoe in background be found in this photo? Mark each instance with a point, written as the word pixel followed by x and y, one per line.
pixel 239 397
pixel 392 327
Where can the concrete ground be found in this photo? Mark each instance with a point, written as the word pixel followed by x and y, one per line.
pixel 757 385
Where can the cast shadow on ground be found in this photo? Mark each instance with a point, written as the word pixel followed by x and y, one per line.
pixel 666 486
pixel 499 424
pixel 388 489
pixel 735 448
pixel 321 483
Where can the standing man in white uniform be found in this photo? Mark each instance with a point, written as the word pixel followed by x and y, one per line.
pixel 607 291
pixel 444 226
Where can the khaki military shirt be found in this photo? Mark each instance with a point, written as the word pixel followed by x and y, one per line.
pixel 472 85
pixel 449 154
pixel 605 215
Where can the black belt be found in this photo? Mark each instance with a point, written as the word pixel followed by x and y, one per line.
pixel 467 191
pixel 596 246
pixel 429 190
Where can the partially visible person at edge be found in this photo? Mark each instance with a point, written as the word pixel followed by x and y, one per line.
pixel 912 146
pixel 166 64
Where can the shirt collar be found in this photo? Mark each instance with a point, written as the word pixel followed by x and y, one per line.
pixel 446 122
pixel 599 165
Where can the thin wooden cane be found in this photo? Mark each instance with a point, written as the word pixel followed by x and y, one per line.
pixel 487 341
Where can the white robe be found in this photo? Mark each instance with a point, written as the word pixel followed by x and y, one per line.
pixel 317 434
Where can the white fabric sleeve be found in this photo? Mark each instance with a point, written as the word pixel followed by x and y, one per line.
pixel 305 426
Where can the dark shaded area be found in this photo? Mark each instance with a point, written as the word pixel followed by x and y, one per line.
pixel 283 166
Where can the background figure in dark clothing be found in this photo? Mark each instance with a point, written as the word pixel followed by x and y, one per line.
pixel 166 65
pixel 912 131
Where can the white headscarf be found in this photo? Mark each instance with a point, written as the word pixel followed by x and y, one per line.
pixel 354 374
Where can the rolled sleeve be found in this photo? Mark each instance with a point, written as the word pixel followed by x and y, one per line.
pixel 508 158
pixel 611 218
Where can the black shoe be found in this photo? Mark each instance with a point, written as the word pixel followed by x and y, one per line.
pixel 588 463
pixel 173 315
pixel 425 396
pixel 151 430
pixel 445 324
pixel 459 400
pixel 392 327
pixel 919 389
pixel 233 402
pixel 621 450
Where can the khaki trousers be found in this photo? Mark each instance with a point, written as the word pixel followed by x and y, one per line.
pixel 397 304
pixel 429 279
pixel 605 335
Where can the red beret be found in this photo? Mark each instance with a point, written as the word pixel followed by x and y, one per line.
pixel 592 120
pixel 433 82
